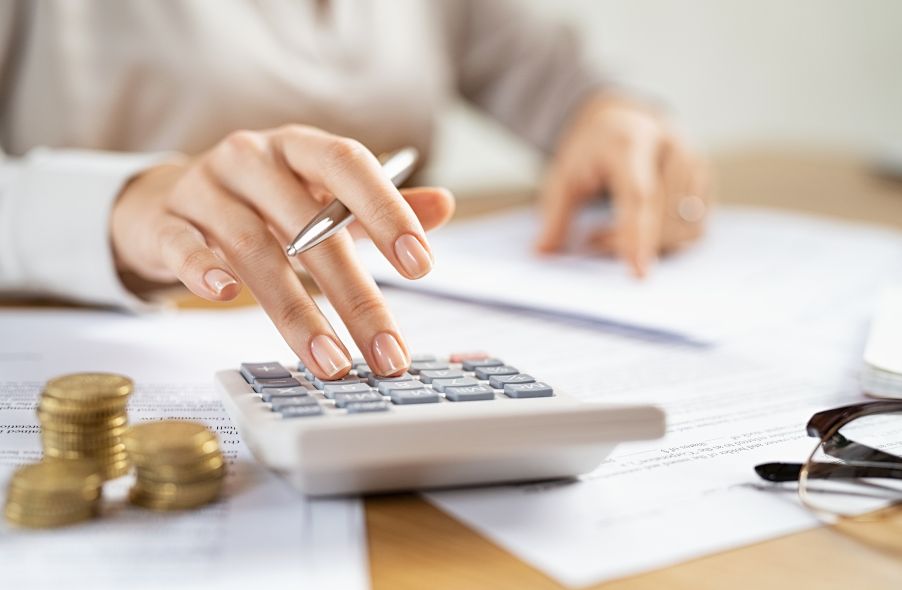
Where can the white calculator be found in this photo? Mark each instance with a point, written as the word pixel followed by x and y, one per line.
pixel 465 419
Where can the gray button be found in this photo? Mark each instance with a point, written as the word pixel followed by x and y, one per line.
pixel 388 386
pixel 271 393
pixel 291 402
pixel 363 370
pixel 472 365
pixel 484 373
pixel 301 411
pixel 374 380
pixel 253 371
pixel 498 381
pixel 422 358
pixel 331 389
pixel 429 376
pixel 261 384
pixel 301 366
pixel 440 384
pixel 537 389
pixel 415 368
pixel 361 407
pixel 342 399
pixel 358 360
pixel 319 383
pixel 413 396
pixel 469 393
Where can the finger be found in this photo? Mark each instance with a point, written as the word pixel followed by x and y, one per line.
pixel 284 204
pixel 353 174
pixel 637 205
pixel 433 206
pixel 683 175
pixel 254 253
pixel 559 201
pixel 185 253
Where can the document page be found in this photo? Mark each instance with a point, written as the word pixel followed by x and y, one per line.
pixel 755 269
pixel 262 534
pixel 652 503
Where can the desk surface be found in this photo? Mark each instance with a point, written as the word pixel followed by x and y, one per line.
pixel 414 545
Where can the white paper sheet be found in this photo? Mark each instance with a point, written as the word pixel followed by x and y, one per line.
pixel 262 535
pixel 659 502
pixel 755 269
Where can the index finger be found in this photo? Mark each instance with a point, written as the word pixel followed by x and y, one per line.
pixel 634 182
pixel 353 174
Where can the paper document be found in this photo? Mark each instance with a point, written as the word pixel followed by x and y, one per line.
pixel 755 269
pixel 263 534
pixel 660 502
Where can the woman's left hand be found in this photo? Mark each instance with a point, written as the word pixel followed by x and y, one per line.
pixel 658 186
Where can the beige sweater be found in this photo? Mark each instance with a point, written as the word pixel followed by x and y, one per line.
pixel 82 78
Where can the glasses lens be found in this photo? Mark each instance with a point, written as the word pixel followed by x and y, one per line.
pixel 854 478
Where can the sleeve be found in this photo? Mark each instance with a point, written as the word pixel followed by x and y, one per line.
pixel 54 223
pixel 525 72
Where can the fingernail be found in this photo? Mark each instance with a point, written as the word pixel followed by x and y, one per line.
pixel 217 280
pixel 328 355
pixel 390 357
pixel 413 256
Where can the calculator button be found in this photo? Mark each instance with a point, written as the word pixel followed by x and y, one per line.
pixel 261 384
pixel 386 387
pixel 332 389
pixel 292 402
pixel 423 358
pixel 484 373
pixel 440 384
pixel 320 383
pixel 342 399
pixel 416 368
pixel 430 376
pixel 253 371
pixel 301 411
pixel 374 380
pixel 499 381
pixel 459 357
pixel 519 390
pixel 473 364
pixel 469 393
pixel 362 407
pixel 413 396
pixel 363 370
pixel 271 393
pixel 301 366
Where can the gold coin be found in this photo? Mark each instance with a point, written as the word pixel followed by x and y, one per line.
pixel 63 476
pixel 90 387
pixel 102 453
pixel 23 518
pixel 49 501
pixel 170 439
pixel 112 422
pixel 56 410
pixel 84 442
pixel 178 490
pixel 115 469
pixel 139 498
pixel 208 469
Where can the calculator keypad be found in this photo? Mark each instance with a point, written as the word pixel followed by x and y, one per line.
pixel 460 378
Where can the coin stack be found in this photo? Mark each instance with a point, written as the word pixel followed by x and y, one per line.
pixel 178 464
pixel 83 416
pixel 54 493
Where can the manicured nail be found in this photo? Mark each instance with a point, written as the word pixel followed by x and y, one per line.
pixel 413 256
pixel 217 280
pixel 329 356
pixel 390 357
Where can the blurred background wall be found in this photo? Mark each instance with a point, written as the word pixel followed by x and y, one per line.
pixel 805 75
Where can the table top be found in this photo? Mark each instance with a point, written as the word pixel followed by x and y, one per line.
pixel 413 545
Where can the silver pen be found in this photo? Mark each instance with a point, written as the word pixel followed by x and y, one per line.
pixel 397 165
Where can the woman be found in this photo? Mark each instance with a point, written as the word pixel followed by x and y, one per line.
pixel 189 140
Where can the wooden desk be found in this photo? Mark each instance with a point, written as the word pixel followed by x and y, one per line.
pixel 414 545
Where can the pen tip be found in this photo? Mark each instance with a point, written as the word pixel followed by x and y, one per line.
pixel 291 251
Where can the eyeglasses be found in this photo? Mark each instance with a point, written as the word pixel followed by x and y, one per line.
pixel 853 477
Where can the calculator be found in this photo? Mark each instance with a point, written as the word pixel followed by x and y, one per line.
pixel 464 419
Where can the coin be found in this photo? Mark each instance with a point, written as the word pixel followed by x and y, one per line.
pixel 50 476
pixel 90 387
pixel 170 439
pixel 54 423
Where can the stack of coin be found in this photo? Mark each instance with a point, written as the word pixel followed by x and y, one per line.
pixel 54 493
pixel 178 464
pixel 83 416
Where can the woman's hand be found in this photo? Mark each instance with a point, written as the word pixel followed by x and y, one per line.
pixel 224 218
pixel 658 186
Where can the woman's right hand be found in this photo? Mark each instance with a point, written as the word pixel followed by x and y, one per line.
pixel 224 218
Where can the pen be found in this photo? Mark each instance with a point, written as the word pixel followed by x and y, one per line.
pixel 397 165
